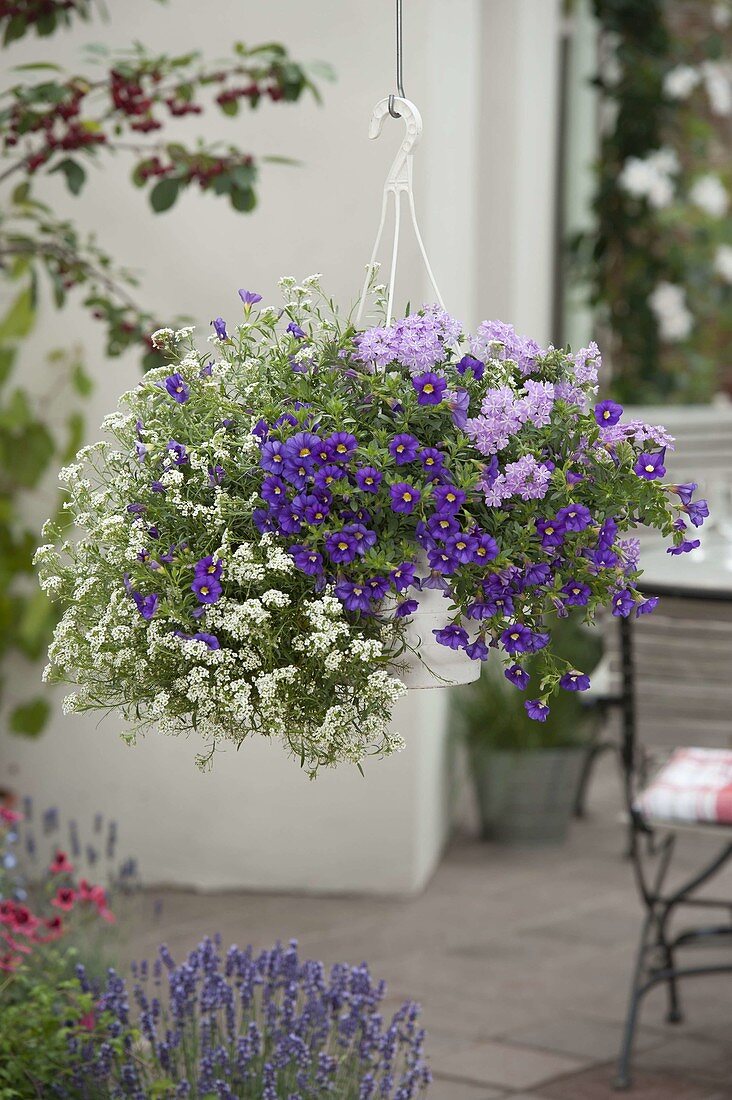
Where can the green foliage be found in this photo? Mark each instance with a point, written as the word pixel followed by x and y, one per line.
pixel 63 125
pixel 37 1019
pixel 490 713
pixel 634 245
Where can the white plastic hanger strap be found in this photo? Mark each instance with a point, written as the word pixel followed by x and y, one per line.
pixel 398 182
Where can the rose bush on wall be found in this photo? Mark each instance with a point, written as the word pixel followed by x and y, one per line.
pixel 265 521
pixel 659 261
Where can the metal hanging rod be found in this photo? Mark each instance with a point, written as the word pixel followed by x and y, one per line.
pixel 399 59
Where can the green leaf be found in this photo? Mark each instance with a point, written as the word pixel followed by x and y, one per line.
pixel 81 381
pixel 19 319
pixel 15 29
pixel 29 719
pixel 34 66
pixel 230 107
pixel 164 194
pixel 243 199
pixel 7 358
pixel 74 173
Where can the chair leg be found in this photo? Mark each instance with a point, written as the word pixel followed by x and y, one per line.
pixel 623 1079
pixel 597 749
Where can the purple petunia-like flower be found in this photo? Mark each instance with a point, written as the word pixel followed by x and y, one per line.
pixel 646 607
pixel 341 547
pixel 517 639
pixel 477 650
pixel 574 517
pixel 206 589
pixel 216 475
pixel 146 605
pixel 650 466
pixel 575 681
pixel 209 567
pixel 623 603
pixel 341 446
pixel 219 325
pixel 536 710
pixel 431 459
pixel 429 387
pixel 470 363
pixel 697 511
pixel 294 329
pixel 518 676
pixel 685 492
pixel 307 560
pixel 209 640
pixel 551 532
pixel 486 549
pixel 368 479
pixel 273 490
pixel 405 609
pixel 273 456
pixel 403 448
pixel 303 448
pixel 684 547
pixel 448 499
pixel 250 297
pixel 441 560
pixel 608 413
pixel 404 497
pixel 353 596
pixel 178 452
pixel 404 576
pixel 178 388
pixel 462 547
pixel 576 593
pixel 454 637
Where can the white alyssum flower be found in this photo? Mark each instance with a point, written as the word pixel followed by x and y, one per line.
pixel 718 85
pixel 723 262
pixel 681 81
pixel 674 318
pixel 710 195
pixel 722 15
pixel 651 177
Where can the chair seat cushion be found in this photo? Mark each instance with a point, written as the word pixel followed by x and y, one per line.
pixel 695 785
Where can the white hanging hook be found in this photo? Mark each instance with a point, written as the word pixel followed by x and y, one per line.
pixel 398 182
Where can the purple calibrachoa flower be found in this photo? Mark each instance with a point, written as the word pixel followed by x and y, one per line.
pixel 219 325
pixel 517 639
pixel 308 561
pixel 216 475
pixel 294 329
pixel 574 517
pixel 406 608
pixel 646 607
pixel 537 574
pixel 576 593
pixel 206 589
pixel 431 459
pixel 684 547
pixel 303 448
pixel 146 605
pixel 448 499
pixel 608 413
pixel 273 456
pixel 536 710
pixel 486 549
pixel 209 640
pixel 403 448
pixel 650 466
pixel 404 576
pixel 341 547
pixel 341 446
pixel 441 560
pixel 452 636
pixel 327 475
pixel 273 490
pixel 574 681
pixel 404 497
pixel 363 537
pixel 458 403
pixel 178 388
pixel 462 547
pixel 442 525
pixel 249 298
pixel 477 650
pixel 551 532
pixel 685 492
pixel 623 603
pixel 368 479
pixel 430 388
pixel 353 596
pixel 178 452
pixel 697 511
pixel 518 676
pixel 209 567
pixel 469 362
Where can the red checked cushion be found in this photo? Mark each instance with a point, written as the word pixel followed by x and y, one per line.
pixel 695 785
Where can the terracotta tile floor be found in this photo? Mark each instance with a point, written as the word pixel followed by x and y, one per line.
pixel 520 959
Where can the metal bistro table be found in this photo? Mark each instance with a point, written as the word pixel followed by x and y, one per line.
pixel 676 676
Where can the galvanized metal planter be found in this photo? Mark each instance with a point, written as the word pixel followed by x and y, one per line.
pixel 526 797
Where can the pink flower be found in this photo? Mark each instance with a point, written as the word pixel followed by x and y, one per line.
pixel 8 816
pixel 60 864
pixel 65 898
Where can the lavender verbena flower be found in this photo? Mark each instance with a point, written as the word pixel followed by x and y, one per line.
pixel 500 419
pixel 587 362
pixel 418 341
pixel 537 404
pixel 526 478
pixel 497 340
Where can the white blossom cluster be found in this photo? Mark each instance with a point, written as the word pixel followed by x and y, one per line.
pixel 175 487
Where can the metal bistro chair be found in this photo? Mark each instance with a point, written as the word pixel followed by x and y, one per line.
pixel 691 790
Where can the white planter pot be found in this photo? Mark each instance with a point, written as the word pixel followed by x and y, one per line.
pixel 427 663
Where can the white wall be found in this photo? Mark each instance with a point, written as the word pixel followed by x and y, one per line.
pixel 256 821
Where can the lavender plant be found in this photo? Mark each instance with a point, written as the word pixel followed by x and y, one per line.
pixel 267 520
pixel 267 1026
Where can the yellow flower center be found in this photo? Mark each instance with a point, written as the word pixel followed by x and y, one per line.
pixel 514 637
pixel 304 452
pixel 429 388
pixel 342 545
pixel 407 496
pixel 549 531
pixel 649 469
pixel 606 414
pixel 204 590
pixel 341 448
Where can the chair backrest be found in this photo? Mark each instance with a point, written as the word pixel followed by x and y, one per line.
pixel 682 662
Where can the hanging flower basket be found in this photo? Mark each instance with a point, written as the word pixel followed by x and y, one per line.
pixel 268 532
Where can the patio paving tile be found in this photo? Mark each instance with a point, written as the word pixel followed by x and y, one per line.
pixel 704 1059
pixel 494 1063
pixel 453 1090
pixel 596 1084
pixel 582 1037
